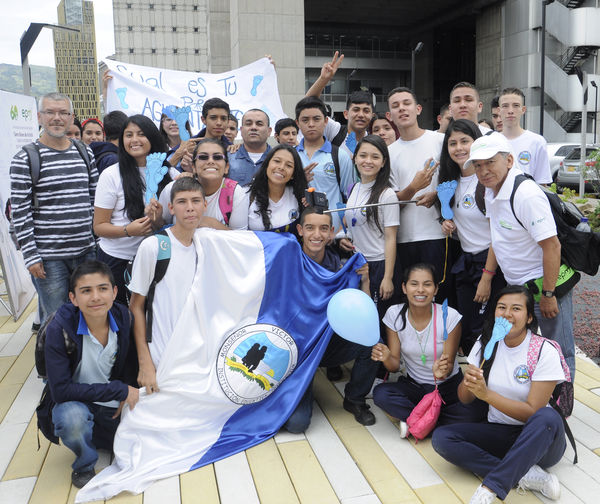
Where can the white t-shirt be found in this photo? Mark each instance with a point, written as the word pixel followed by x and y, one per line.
pixel 508 236
pixel 417 223
pixel 531 156
pixel 472 226
pixel 239 210
pixel 170 293
pixel 110 196
pixel 283 212
pixel 369 241
pixel 509 375
pixel 411 350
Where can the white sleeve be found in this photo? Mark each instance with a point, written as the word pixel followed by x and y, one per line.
pixel 533 210
pixel 453 319
pixel 548 367
pixel 542 173
pixel 106 190
pixel 144 265
pixel 389 319
pixel 332 128
pixel 389 214
pixel 239 210
pixel 164 199
pixel 475 353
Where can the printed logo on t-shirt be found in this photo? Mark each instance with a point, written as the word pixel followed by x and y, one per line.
pixel 329 169
pixel 524 157
pixel 468 201
pixel 504 224
pixel 293 214
pixel 521 374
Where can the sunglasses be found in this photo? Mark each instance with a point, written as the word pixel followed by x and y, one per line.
pixel 206 157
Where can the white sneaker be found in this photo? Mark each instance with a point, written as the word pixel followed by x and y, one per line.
pixel 403 427
pixel 538 479
pixel 482 496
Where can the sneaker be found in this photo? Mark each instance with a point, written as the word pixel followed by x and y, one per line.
pixel 360 411
pixel 80 479
pixel 403 427
pixel 35 327
pixel 542 481
pixel 334 373
pixel 482 496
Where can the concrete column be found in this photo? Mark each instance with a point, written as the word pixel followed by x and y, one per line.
pixel 276 27
pixel 219 35
pixel 488 55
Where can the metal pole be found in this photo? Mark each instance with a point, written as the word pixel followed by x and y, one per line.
pixel 543 65
pixel 26 76
pixel 595 108
pixel 582 157
pixel 543 69
pixel 412 70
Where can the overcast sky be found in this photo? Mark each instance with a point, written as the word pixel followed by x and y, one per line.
pixel 17 19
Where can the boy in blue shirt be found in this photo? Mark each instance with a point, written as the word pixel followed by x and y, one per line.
pixel 90 361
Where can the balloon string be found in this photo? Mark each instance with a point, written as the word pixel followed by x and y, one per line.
pixel 482 363
pixel 445 261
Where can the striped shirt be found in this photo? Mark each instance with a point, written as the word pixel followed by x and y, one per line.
pixel 61 225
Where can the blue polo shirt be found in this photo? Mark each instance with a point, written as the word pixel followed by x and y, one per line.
pixel 97 361
pixel 324 175
pixel 241 167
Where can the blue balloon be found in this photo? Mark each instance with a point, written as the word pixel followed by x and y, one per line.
pixel 352 314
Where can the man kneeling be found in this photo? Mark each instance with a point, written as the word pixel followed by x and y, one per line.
pixel 88 359
pixel 316 230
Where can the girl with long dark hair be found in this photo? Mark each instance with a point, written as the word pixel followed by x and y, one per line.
pixel 413 329
pixel 120 217
pixel 276 192
pixel 475 270
pixel 521 435
pixel 373 229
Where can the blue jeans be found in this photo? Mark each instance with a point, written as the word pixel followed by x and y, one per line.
pixel 339 351
pixel 83 427
pixel 502 454
pixel 53 291
pixel 560 329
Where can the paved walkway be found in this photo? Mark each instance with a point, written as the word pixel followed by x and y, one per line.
pixel 337 460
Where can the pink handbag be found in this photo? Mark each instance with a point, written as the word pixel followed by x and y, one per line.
pixel 424 416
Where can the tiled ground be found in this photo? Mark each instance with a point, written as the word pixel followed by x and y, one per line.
pixel 337 460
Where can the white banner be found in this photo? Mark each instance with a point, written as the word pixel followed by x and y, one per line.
pixel 136 89
pixel 19 125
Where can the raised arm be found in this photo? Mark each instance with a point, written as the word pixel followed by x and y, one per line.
pixel 328 70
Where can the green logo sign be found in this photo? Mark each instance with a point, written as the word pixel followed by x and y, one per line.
pixel 14 112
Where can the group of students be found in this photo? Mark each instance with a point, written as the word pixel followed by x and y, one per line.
pixel 375 159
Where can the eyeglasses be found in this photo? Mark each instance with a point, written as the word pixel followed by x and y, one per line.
pixel 63 114
pixel 206 157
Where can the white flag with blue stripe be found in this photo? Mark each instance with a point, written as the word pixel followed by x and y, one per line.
pixel 246 346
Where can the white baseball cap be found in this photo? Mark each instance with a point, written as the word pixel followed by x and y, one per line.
pixel 487 146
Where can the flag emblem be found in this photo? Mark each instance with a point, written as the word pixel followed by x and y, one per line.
pixel 254 360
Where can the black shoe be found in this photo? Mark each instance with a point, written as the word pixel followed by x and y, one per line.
pixel 360 411
pixel 35 327
pixel 334 373
pixel 80 479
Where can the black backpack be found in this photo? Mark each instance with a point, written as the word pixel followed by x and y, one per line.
pixel 578 249
pixel 160 269
pixel 35 160
pixel 40 345
pixel 44 407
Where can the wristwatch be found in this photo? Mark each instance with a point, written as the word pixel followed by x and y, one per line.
pixel 547 293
